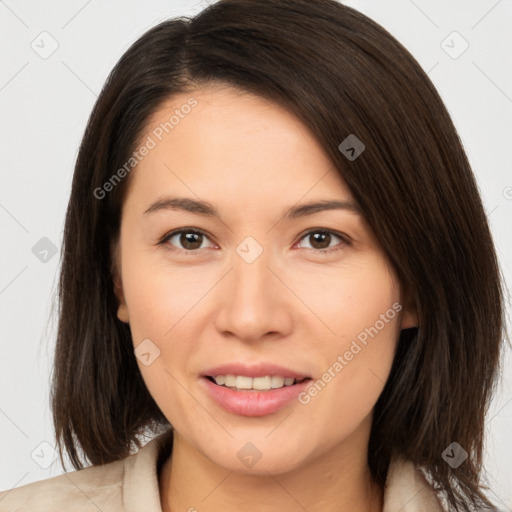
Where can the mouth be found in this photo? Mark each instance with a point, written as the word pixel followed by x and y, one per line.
pixel 254 384
pixel 240 395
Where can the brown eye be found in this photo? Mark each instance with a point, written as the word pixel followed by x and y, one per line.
pixel 191 241
pixel 185 240
pixel 321 240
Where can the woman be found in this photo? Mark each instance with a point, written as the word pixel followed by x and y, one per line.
pixel 275 258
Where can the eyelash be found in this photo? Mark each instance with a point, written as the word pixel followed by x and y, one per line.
pixel 344 240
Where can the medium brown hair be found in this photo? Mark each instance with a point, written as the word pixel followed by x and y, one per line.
pixel 340 73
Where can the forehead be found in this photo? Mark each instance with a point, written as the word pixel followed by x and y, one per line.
pixel 232 145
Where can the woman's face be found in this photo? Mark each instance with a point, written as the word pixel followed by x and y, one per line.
pixel 310 292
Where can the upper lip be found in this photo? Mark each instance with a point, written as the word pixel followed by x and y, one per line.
pixel 254 370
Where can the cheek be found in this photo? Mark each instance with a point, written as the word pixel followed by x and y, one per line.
pixel 158 294
pixel 351 299
pixel 161 309
pixel 361 313
pixel 359 358
pixel 164 304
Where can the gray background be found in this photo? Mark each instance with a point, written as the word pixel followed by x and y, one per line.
pixel 45 102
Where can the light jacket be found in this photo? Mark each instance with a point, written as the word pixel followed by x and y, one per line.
pixel 131 485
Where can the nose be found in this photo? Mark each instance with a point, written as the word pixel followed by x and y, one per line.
pixel 254 301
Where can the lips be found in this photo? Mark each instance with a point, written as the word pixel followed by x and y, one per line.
pixel 254 370
pixel 251 402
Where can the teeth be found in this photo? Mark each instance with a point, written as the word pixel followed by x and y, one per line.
pixel 257 383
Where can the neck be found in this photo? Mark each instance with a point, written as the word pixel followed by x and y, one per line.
pixel 336 481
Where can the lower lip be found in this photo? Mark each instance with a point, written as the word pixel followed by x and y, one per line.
pixel 253 403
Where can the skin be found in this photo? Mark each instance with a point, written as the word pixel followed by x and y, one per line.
pixel 293 305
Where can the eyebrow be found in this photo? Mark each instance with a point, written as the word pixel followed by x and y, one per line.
pixel 208 210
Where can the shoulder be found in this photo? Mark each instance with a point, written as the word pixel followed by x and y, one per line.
pixel 126 485
pixel 407 489
pixel 90 489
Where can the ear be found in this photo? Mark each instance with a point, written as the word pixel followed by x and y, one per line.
pixel 122 310
pixel 410 314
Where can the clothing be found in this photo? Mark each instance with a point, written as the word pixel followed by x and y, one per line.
pixel 131 485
